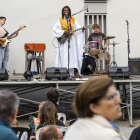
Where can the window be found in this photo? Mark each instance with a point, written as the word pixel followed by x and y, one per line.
pixel 95 19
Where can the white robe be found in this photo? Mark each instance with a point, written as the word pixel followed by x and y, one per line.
pixel 75 51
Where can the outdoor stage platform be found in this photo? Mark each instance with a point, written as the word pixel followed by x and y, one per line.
pixel 31 93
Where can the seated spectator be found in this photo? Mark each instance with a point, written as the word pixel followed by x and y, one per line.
pixel 48 115
pixel 53 95
pixel 24 135
pixel 51 132
pixel 33 125
pixel 9 103
pixel 96 104
pixel 136 133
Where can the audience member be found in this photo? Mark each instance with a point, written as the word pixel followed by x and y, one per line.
pixel 24 135
pixel 136 133
pixel 48 115
pixel 53 96
pixel 51 132
pixel 33 128
pixel 9 103
pixel 96 104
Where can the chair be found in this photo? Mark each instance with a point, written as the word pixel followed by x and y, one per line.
pixel 33 49
pixel 63 129
pixel 22 130
pixel 62 115
pixel 72 121
pixel 38 132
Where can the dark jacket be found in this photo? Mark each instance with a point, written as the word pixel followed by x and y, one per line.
pixel 58 122
pixel 62 109
pixel 135 134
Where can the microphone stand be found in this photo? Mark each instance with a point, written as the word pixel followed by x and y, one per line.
pixel 69 77
pixel 80 11
pixel 128 41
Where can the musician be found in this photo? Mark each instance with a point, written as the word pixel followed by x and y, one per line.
pixel 95 35
pixel 76 42
pixel 4 51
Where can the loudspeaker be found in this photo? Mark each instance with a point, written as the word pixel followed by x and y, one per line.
pixel 118 72
pixel 134 65
pixel 56 73
pixel 3 74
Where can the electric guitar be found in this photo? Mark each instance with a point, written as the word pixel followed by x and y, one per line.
pixel 8 37
pixel 64 37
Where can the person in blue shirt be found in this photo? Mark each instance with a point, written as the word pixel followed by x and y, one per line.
pixel 9 103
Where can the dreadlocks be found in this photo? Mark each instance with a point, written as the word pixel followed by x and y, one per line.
pixel 63 11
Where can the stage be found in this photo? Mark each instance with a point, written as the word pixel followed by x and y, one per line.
pixel 31 93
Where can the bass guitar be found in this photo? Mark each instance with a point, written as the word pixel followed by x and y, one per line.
pixel 64 37
pixel 8 37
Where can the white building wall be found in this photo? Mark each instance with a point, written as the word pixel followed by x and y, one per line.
pixel 39 16
pixel 117 12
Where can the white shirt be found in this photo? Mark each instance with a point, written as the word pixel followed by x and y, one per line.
pixel 2 32
pixel 95 128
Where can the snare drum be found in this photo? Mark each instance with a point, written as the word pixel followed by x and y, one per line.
pixel 94 48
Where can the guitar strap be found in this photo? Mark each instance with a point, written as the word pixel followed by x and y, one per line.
pixel 70 23
pixel 6 34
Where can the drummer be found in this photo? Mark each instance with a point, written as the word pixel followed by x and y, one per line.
pixel 97 35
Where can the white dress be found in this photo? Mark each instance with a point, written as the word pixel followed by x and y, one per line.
pixel 75 51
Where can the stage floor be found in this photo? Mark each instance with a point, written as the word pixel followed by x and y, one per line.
pixel 19 79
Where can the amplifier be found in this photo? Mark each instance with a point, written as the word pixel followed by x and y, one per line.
pixel 3 74
pixel 118 72
pixel 134 65
pixel 56 73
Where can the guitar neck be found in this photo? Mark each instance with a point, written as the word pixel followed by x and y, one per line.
pixel 12 34
pixel 77 29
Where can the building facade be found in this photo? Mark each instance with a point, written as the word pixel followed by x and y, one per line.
pixel 40 15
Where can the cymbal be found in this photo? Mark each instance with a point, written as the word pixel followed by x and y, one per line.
pixel 114 43
pixel 108 37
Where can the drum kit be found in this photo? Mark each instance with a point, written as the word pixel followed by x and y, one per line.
pixel 97 61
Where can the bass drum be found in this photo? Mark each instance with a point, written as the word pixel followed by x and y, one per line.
pixel 89 65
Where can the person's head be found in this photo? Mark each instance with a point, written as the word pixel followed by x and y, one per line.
pixel 97 96
pixel 95 27
pixel 66 9
pixel 52 95
pixel 48 113
pixel 51 132
pixel 39 107
pixel 15 123
pixel 2 21
pixel 9 103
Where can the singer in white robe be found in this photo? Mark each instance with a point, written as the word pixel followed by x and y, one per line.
pixel 75 51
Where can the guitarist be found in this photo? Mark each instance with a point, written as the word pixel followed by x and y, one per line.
pixel 76 42
pixel 4 51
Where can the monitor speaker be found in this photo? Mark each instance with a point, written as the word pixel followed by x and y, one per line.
pixel 118 72
pixel 3 74
pixel 56 73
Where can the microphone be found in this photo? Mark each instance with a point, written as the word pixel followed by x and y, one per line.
pixel 66 14
pixel 127 22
